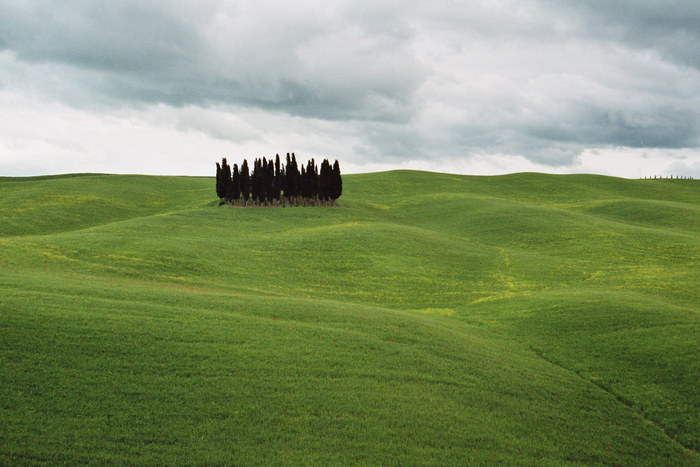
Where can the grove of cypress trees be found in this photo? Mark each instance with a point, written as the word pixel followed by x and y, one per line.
pixel 271 183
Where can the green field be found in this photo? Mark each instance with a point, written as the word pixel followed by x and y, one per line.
pixel 428 319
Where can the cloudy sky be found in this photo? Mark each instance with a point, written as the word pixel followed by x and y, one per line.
pixel 480 87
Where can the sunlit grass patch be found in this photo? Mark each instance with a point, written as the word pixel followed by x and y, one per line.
pixel 435 311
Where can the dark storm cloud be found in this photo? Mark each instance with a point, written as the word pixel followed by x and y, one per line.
pixel 110 36
pixel 670 27
pixel 305 62
pixel 424 80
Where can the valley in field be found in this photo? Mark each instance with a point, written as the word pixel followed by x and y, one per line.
pixel 426 319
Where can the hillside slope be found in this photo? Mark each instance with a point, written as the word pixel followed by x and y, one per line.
pixel 430 318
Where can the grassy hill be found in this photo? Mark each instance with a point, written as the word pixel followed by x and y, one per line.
pixel 429 319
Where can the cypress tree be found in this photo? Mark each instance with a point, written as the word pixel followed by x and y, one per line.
pixel 306 182
pixel 226 180
pixel 291 189
pixel 262 166
pixel 236 182
pixel 245 182
pixel 261 181
pixel 219 182
pixel 295 177
pixel 279 175
pixel 324 181
pixel 336 185
pixel 303 183
pixel 252 181
pixel 255 181
pixel 309 192
pixel 312 173
pixel 270 178
pixel 287 178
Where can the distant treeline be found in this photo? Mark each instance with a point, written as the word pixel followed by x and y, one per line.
pixel 274 184
pixel 667 177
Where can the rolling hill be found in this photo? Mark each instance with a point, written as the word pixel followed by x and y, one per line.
pixel 428 319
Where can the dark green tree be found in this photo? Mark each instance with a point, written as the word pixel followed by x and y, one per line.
pixel 336 182
pixel 292 183
pixel 314 180
pixel 236 183
pixel 219 182
pixel 324 180
pixel 255 181
pixel 270 181
pixel 287 178
pixel 309 182
pixel 226 180
pixel 245 182
pixel 303 184
pixel 279 179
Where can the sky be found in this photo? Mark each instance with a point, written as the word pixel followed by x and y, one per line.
pixel 480 87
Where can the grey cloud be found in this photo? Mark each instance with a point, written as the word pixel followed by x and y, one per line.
pixel 117 36
pixel 316 65
pixel 663 128
pixel 672 28
pixel 591 124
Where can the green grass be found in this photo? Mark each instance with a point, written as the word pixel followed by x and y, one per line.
pixel 429 319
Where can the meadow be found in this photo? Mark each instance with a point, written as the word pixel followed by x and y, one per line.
pixel 427 319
